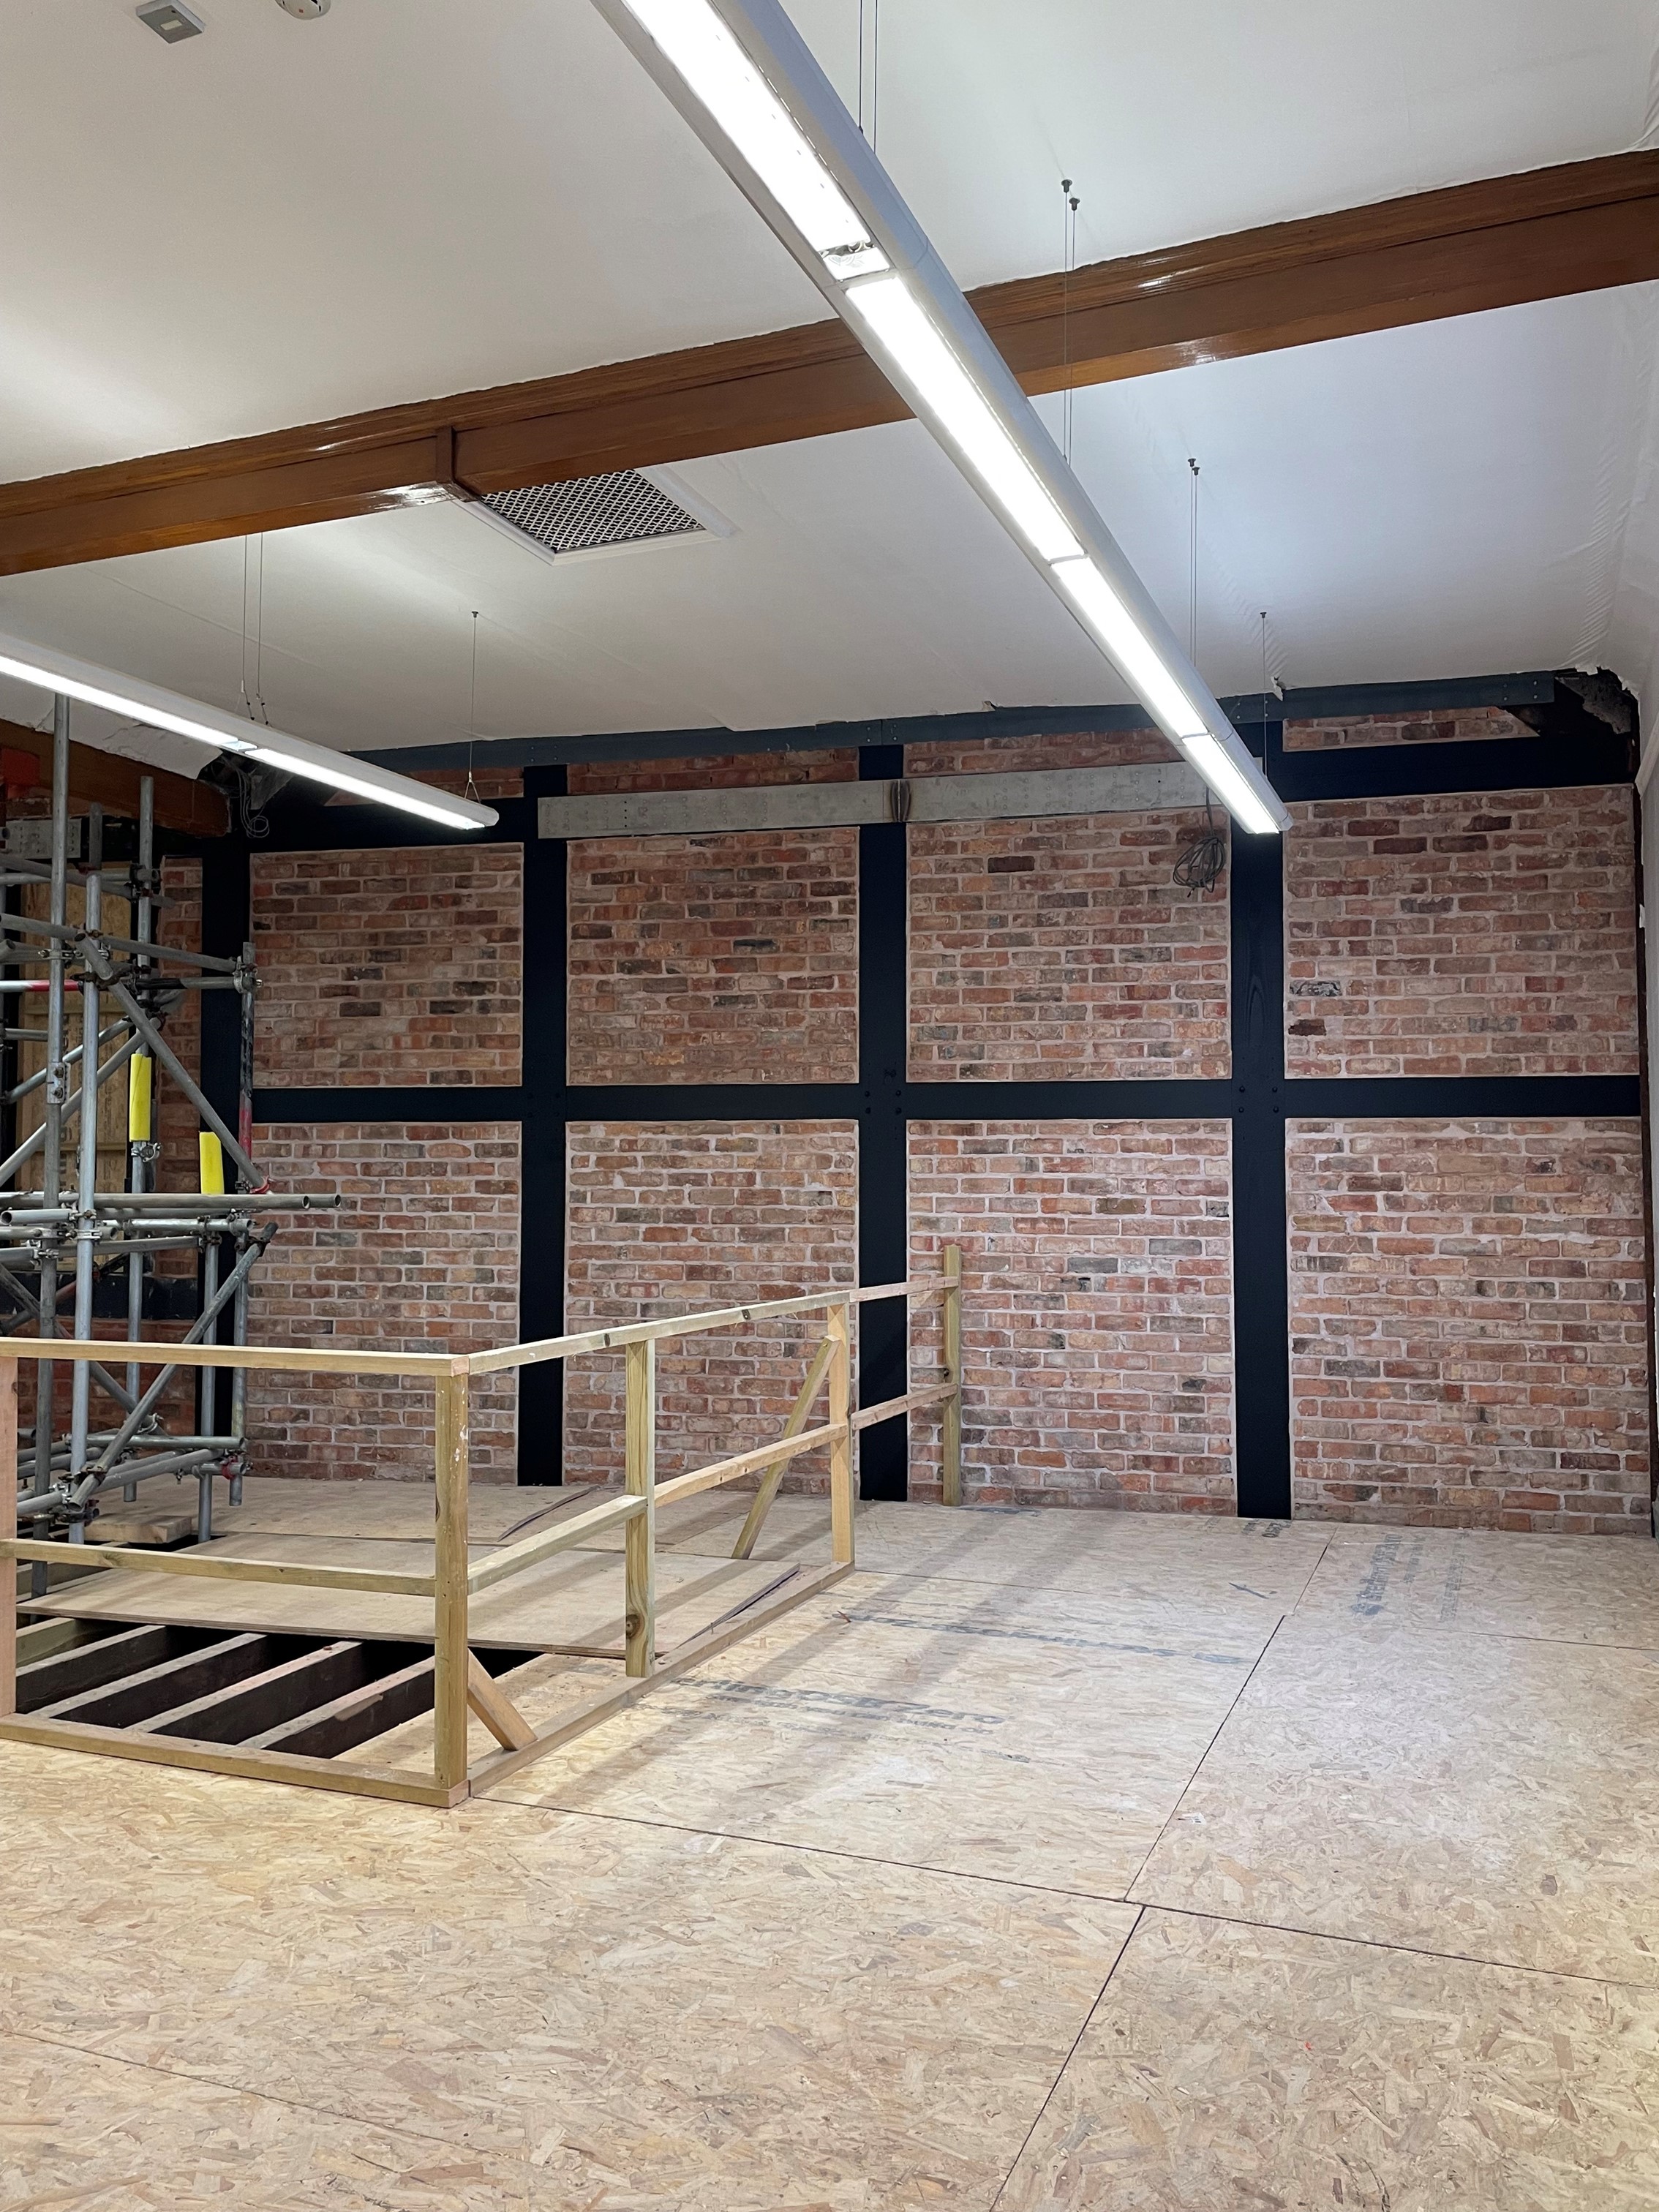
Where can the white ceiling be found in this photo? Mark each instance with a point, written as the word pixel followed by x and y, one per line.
pixel 280 220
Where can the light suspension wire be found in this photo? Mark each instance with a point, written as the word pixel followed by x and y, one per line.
pixel 741 76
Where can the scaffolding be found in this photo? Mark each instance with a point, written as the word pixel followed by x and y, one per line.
pixel 69 1248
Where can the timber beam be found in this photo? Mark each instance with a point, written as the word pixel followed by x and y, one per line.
pixel 1583 226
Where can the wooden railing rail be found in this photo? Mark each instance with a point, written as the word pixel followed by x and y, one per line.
pixel 462 1688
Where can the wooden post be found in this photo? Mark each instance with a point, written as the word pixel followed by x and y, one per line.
pixel 449 1709
pixel 640 1557
pixel 8 1527
pixel 952 1438
pixel 841 1452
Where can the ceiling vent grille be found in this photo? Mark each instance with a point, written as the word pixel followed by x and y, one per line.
pixel 622 509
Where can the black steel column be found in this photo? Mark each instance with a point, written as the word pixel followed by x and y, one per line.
pixel 883 1186
pixel 1260 1272
pixel 542 1138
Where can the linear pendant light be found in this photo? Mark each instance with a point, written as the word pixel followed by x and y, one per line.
pixel 160 709
pixel 745 81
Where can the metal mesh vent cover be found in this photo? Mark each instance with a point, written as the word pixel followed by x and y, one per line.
pixel 620 509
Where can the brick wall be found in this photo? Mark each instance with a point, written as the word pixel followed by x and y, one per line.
pixel 727 958
pixel 666 1218
pixel 1468 1323
pixel 424 1257
pixel 1465 726
pixel 1004 756
pixel 1097 1334
pixel 1492 934
pixel 389 967
pixel 487 784
pixel 712 771
pixel 1064 948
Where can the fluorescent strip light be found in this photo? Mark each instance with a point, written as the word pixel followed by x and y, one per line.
pixel 1229 784
pixel 923 358
pixel 761 127
pixel 747 84
pixel 1103 613
pixel 159 709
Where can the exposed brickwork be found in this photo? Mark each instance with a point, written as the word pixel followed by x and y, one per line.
pixel 1064 948
pixel 395 967
pixel 424 1257
pixel 1002 756
pixel 1468 1334
pixel 727 958
pixel 667 1217
pixel 1465 726
pixel 1460 935
pixel 487 784
pixel 713 772
pixel 1097 1323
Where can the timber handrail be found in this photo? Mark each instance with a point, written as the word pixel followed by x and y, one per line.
pixel 462 1688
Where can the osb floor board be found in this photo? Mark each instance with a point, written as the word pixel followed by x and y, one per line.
pixel 275 1505
pixel 573 1600
pixel 1230 2066
pixel 1576 1589
pixel 653 2021
pixel 101 2136
pixel 797 1528
pixel 1164 1558
pixel 1493 1797
pixel 1032 1736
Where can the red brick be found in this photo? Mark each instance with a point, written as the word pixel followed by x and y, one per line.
pixel 667 1217
pixel 1098 1309
pixel 1469 1338
pixel 1064 948
pixel 1492 934
pixel 712 771
pixel 726 958
pixel 389 967
pixel 424 1257
pixel 1462 725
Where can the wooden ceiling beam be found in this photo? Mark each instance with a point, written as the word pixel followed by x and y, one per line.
pixel 1584 226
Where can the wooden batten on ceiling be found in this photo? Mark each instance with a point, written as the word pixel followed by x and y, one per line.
pixel 110 782
pixel 1584 226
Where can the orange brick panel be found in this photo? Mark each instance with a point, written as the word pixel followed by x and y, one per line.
pixel 398 967
pixel 668 1218
pixel 1469 1341
pixel 1492 934
pixel 1064 948
pixel 424 1257
pixel 1096 1310
pixel 1003 755
pixel 721 772
pixel 727 958
pixel 1463 726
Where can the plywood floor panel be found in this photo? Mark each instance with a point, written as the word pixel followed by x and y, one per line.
pixel 1582 1589
pixel 277 1506
pixel 1494 1797
pixel 1152 1559
pixel 1230 2066
pixel 571 1600
pixel 649 2020
pixel 99 2136
pixel 1035 1737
